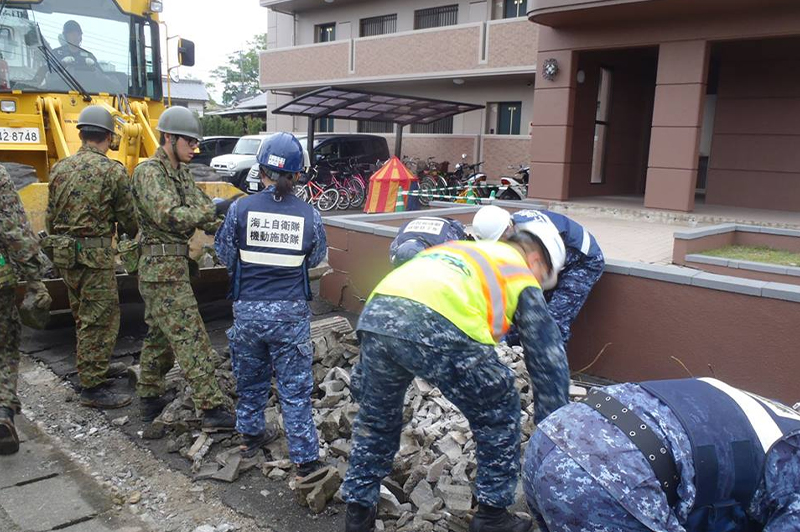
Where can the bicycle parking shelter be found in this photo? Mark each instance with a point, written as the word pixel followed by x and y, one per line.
pixel 357 104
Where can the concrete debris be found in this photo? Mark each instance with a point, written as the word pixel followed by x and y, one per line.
pixel 318 488
pixel 120 421
pixel 429 485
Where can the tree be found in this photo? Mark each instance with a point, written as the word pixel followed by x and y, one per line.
pixel 239 75
pixel 216 125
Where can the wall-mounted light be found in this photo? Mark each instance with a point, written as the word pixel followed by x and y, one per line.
pixel 580 76
pixel 550 69
pixel 458 81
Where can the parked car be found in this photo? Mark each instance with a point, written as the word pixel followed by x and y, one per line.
pixel 211 147
pixel 233 167
pixel 331 149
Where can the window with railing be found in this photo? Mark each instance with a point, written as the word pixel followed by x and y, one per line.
pixel 439 127
pixel 325 32
pixel 435 17
pixel 378 25
pixel 514 8
pixel 509 117
pixel 375 126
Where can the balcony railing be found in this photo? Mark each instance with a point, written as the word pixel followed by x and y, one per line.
pixel 474 49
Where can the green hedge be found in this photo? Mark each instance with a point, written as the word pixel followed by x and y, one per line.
pixel 216 125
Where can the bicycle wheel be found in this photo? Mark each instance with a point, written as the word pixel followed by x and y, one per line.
pixel 427 189
pixel 301 191
pixel 328 199
pixel 343 203
pixel 357 193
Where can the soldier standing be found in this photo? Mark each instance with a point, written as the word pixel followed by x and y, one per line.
pixel 89 193
pixel 18 248
pixel 170 208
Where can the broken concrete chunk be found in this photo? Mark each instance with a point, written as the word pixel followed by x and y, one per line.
pixel 450 447
pixel 388 505
pixel 318 488
pixel 340 448
pixel 456 497
pixel 436 469
pixel 230 472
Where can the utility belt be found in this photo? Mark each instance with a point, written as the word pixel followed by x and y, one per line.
pixel 655 452
pixel 93 242
pixel 63 250
pixel 164 250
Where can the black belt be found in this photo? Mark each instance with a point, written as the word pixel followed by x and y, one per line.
pixel 657 454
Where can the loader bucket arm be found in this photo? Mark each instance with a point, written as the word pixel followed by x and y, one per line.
pixel 149 139
pixel 52 108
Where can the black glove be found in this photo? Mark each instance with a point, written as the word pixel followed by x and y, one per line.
pixel 221 207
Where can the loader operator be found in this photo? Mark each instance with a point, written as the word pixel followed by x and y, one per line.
pixel 268 242
pixel 70 52
pixel 439 317
pixel 685 455
pixel 422 233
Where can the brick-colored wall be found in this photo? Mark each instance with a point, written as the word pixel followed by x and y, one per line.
pixel 511 44
pixel 327 61
pixel 501 151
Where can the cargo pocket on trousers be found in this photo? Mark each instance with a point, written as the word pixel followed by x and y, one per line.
pixel 98 304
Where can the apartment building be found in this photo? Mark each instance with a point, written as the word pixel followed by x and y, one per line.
pixel 481 52
pixel 671 101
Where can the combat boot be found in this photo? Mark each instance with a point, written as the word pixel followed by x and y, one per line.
pixel 218 419
pixel 116 369
pixel 360 518
pixel 491 519
pixel 151 407
pixel 104 398
pixel 9 441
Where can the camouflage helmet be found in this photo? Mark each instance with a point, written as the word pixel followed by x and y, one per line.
pixel 180 121
pixel 96 118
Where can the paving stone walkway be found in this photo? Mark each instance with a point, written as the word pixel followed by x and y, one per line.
pixel 41 489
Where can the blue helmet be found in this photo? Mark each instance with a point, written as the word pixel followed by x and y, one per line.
pixel 281 152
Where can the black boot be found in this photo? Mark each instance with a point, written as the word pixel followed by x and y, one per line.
pixel 9 441
pixel 104 398
pixel 218 419
pixel 491 519
pixel 360 518
pixel 151 407
pixel 252 444
pixel 116 369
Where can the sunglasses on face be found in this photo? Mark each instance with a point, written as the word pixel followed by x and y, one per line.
pixel 192 142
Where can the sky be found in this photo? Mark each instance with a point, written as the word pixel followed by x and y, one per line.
pixel 218 28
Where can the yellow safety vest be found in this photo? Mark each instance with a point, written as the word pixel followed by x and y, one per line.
pixel 475 285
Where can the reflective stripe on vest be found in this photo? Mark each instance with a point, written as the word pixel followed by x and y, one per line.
pixel 493 284
pixel 271 259
pixel 764 426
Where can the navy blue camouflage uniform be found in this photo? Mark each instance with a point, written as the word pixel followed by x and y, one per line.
pixel 582 269
pixel 581 473
pixel 422 233
pixel 273 334
pixel 401 339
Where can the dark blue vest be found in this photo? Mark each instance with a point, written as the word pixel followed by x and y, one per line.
pixel 731 432
pixel 274 239
pixel 574 234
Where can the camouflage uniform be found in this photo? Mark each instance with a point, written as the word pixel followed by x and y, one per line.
pixel 170 208
pixel 273 335
pixel 401 339
pixel 18 247
pixel 89 193
pixel 582 473
pixel 582 269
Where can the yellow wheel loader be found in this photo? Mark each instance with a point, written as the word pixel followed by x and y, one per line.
pixel 56 58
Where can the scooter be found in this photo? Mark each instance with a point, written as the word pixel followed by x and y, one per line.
pixel 515 187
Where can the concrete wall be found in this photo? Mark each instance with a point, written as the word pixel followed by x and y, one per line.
pixel 755 160
pixel 742 331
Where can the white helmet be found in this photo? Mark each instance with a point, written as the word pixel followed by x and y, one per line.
pixel 490 222
pixel 545 231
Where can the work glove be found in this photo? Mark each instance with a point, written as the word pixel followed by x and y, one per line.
pixel 221 206
pixel 35 308
pixel 68 60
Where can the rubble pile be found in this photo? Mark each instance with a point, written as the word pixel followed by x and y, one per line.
pixel 429 486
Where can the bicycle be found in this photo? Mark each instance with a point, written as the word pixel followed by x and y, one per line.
pixel 323 198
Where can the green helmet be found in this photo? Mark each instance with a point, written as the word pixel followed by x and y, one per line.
pixel 96 118
pixel 180 121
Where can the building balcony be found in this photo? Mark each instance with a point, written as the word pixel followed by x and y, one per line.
pixel 477 49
